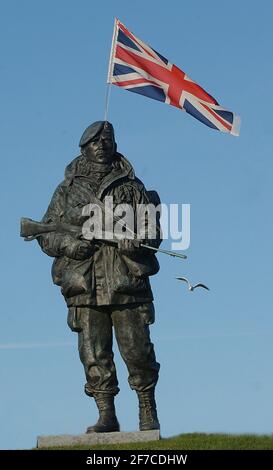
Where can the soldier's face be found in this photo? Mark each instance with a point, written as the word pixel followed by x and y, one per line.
pixel 102 148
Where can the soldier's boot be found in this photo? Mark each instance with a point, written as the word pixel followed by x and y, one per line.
pixel 147 411
pixel 107 421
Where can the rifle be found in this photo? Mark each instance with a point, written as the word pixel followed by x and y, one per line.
pixel 30 230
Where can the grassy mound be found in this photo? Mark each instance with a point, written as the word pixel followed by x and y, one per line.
pixel 194 441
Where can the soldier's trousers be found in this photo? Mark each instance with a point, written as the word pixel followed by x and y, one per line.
pixel 131 325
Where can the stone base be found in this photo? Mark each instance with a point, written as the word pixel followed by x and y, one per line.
pixel 92 439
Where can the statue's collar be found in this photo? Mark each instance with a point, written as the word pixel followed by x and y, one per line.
pixel 121 168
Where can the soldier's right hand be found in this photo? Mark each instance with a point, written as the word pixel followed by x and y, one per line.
pixel 80 250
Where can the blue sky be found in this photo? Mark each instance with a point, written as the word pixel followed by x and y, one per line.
pixel 215 348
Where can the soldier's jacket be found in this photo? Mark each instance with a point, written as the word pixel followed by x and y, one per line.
pixel 107 277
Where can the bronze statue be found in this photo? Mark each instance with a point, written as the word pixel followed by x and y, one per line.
pixel 105 285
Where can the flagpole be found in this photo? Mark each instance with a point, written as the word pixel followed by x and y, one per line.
pixel 107 99
pixel 110 69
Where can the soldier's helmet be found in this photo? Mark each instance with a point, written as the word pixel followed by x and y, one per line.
pixel 94 129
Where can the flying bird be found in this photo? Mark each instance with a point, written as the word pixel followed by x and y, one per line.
pixel 191 287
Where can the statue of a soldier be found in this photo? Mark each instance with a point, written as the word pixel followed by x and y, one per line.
pixel 105 285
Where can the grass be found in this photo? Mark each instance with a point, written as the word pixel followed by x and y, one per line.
pixel 194 441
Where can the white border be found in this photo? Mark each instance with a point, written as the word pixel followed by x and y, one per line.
pixel 236 125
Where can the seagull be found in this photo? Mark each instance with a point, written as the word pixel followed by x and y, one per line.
pixel 191 288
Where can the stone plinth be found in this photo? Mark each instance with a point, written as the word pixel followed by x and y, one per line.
pixel 93 439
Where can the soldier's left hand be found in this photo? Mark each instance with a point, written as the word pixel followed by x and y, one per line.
pixel 128 246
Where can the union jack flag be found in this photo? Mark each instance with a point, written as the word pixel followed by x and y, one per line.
pixel 137 67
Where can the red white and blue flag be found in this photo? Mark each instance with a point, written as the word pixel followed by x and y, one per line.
pixel 137 67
